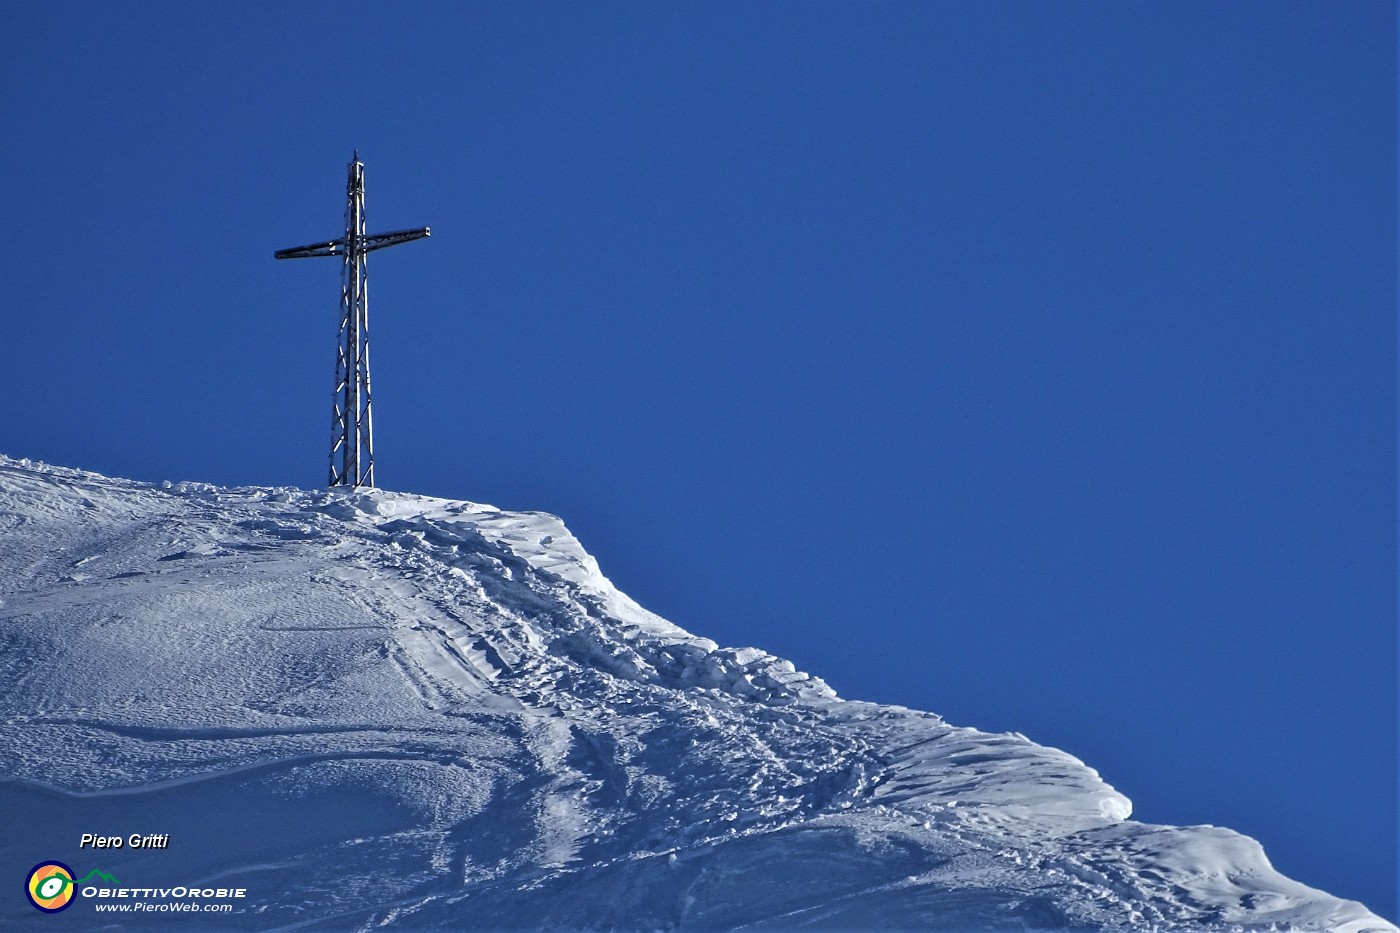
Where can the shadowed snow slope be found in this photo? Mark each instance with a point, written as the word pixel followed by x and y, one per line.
pixel 371 709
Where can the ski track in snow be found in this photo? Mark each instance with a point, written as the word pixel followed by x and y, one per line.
pixel 382 711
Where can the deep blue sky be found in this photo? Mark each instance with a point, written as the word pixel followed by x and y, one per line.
pixel 1033 363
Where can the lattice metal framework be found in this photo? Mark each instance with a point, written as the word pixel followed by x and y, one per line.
pixel 352 424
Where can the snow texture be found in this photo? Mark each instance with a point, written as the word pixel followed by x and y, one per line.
pixel 378 710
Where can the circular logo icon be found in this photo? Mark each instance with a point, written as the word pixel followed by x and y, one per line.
pixel 50 886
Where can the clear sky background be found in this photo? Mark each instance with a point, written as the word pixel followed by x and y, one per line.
pixel 1031 363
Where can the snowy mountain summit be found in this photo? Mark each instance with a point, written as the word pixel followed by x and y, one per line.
pixel 369 709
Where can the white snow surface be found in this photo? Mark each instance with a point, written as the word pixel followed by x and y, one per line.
pixel 378 710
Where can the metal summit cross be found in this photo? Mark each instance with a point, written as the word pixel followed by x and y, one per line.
pixel 352 428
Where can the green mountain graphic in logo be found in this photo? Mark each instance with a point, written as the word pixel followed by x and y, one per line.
pixel 96 873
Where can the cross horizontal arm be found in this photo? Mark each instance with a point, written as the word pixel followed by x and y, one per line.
pixel 331 248
pixel 337 247
pixel 381 240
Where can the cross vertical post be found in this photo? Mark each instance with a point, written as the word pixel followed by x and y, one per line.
pixel 352 422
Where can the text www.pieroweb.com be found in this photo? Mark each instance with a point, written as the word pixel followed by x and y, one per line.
pixel 182 900
pixel 169 907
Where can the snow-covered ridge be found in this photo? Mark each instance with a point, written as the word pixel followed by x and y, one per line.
pixel 377 709
pixel 458 535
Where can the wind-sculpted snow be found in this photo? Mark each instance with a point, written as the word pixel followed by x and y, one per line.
pixel 372 710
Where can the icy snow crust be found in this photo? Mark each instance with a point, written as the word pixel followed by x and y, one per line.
pixel 372 710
